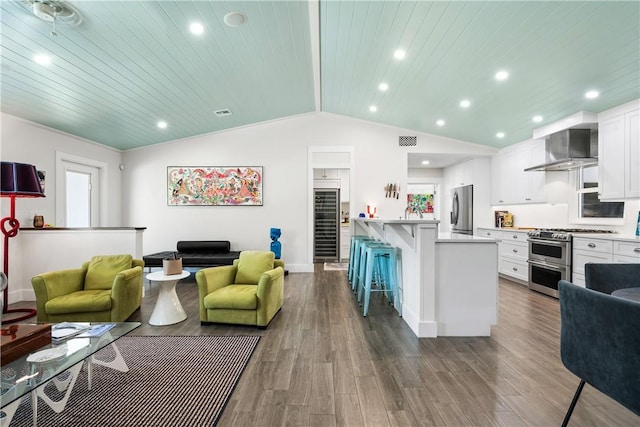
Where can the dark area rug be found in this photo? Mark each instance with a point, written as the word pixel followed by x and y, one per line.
pixel 172 381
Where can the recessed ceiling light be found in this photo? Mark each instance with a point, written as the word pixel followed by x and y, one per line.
pixel 537 119
pixel 465 103
pixel 196 28
pixel 502 75
pixel 162 124
pixel 399 54
pixel 42 59
pixel 235 19
pixel 373 108
pixel 592 94
pixel 383 86
pixel 500 134
pixel 440 122
pixel 425 162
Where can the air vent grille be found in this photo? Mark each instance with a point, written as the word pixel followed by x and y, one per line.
pixel 408 141
pixel 223 113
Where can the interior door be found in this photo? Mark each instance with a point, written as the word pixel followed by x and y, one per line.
pixel 81 193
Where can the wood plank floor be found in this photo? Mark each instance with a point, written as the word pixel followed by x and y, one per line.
pixel 320 363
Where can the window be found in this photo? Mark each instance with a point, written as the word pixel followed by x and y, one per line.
pixel 589 206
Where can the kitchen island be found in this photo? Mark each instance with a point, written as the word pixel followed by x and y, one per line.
pixel 449 282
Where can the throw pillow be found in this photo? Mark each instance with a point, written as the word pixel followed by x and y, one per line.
pixel 103 269
pixel 252 264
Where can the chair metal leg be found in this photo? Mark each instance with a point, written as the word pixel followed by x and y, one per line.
pixel 573 404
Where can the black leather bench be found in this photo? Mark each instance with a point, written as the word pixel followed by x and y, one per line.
pixel 196 253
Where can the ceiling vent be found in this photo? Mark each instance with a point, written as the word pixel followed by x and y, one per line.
pixel 408 141
pixel 223 113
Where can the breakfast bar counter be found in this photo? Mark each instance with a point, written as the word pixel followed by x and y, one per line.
pixel 449 282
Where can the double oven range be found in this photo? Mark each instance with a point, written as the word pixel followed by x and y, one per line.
pixel 550 257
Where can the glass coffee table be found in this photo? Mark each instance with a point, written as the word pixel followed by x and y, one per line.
pixel 32 372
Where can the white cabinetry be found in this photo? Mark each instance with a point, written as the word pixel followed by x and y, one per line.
pixel 602 250
pixel 510 184
pixel 345 242
pixel 586 249
pixel 619 152
pixel 626 252
pixel 493 234
pixel 461 174
pixel 514 254
pixel 476 172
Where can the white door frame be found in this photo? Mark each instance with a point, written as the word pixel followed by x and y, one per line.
pixel 61 159
pixel 313 164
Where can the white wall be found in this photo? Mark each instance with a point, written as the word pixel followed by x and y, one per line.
pixel 281 147
pixel 28 142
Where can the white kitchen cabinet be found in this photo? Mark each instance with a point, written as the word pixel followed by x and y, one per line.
pixel 514 252
pixel 587 249
pixel 345 241
pixel 461 174
pixel 476 172
pixel 602 250
pixel 510 184
pixel 619 153
pixel 493 234
pixel 626 252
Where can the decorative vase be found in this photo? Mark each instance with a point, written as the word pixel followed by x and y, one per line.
pixel 38 221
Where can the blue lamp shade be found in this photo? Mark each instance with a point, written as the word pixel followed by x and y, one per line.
pixel 20 180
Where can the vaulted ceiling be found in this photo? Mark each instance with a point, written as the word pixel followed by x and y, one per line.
pixel 117 68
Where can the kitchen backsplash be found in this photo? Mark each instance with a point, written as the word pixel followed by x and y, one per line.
pixel 557 216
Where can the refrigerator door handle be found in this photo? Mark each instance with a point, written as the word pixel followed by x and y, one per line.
pixel 455 209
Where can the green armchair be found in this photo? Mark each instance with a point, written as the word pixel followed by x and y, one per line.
pixel 106 289
pixel 249 292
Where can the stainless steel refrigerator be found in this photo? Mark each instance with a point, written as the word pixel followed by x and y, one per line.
pixel 462 210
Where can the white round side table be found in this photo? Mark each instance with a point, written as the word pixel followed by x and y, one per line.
pixel 168 309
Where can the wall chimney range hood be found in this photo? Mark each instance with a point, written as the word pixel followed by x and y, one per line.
pixel 569 149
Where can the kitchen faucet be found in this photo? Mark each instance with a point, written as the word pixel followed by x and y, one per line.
pixel 414 207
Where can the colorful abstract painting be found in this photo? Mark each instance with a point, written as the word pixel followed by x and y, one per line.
pixel 420 203
pixel 214 186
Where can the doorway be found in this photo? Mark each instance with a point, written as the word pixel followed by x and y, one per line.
pixel 423 200
pixel 80 188
pixel 81 200
pixel 323 163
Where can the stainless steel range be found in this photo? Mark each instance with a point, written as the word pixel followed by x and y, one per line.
pixel 550 257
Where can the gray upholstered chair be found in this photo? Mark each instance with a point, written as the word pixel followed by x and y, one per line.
pixel 611 277
pixel 600 343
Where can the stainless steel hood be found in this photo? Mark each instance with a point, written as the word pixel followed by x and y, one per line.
pixel 569 149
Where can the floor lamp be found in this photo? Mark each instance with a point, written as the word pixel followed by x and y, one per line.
pixel 17 180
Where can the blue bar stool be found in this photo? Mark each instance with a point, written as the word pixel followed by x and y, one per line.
pixel 362 259
pixel 381 272
pixel 357 259
pixel 352 250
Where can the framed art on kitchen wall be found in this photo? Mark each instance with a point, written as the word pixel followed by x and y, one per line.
pixel 214 185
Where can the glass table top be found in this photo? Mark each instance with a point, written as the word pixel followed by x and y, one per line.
pixel 32 370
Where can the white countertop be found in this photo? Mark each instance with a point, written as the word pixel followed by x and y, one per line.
pixel 463 238
pixel 397 221
pixel 599 236
pixel 609 236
